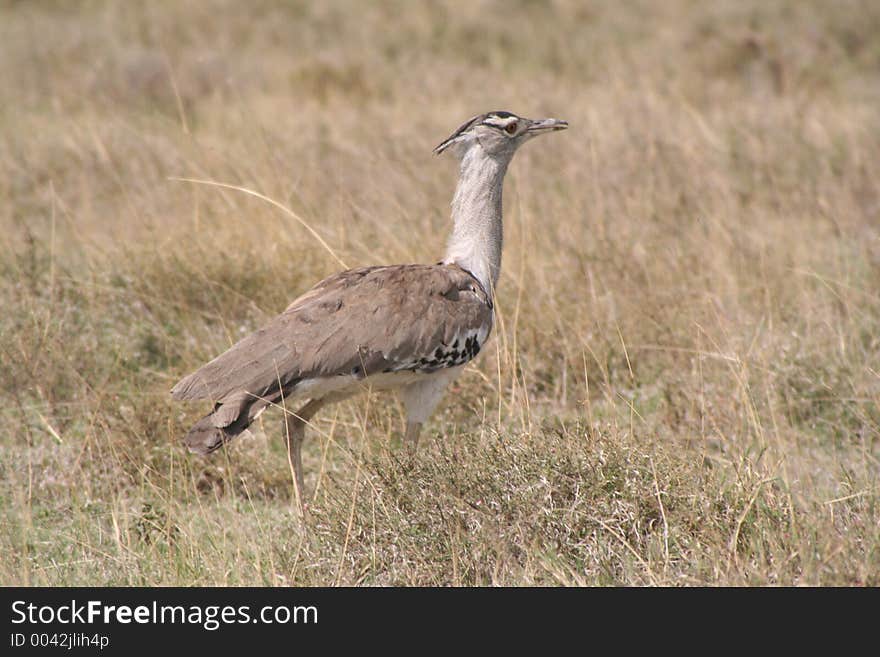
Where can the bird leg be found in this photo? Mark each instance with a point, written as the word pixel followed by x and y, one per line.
pixel 420 398
pixel 413 429
pixel 295 431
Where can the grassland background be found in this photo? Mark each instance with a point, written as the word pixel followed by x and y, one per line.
pixel 684 385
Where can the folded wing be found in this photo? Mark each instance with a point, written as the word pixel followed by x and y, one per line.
pixel 359 322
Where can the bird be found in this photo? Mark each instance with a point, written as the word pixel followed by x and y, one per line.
pixel 410 328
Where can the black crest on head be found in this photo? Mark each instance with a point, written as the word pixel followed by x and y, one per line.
pixel 467 125
pixel 462 128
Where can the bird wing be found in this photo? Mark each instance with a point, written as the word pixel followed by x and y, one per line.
pixel 359 322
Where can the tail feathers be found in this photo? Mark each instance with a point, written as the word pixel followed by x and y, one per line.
pixel 225 422
pixel 206 437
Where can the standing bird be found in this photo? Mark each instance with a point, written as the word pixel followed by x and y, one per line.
pixel 406 327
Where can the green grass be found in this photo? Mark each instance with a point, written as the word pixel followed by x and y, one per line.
pixel 684 383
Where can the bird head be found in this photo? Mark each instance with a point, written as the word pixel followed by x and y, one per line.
pixel 499 133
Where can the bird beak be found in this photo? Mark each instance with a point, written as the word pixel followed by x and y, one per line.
pixel 539 126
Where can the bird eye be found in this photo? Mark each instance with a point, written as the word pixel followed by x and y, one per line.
pixel 511 128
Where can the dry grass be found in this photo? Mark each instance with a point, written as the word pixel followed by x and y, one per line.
pixel 685 381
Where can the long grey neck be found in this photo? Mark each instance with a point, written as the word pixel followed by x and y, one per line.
pixel 475 244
